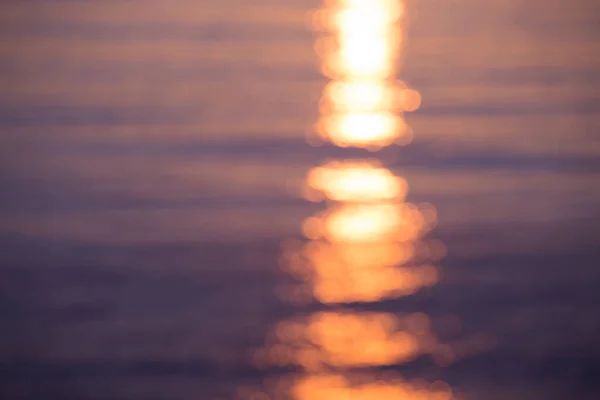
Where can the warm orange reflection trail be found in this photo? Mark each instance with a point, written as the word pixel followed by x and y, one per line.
pixel 343 273
pixel 360 50
pixel 337 387
pixel 367 223
pixel 346 339
pixel 369 244
pixel 355 181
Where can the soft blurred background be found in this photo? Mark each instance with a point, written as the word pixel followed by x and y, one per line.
pixel 150 156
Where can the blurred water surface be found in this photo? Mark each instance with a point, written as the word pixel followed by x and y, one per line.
pixel 152 157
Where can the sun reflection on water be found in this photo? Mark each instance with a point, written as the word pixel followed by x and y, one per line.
pixel 354 181
pixel 360 51
pixel 336 387
pixel 367 223
pixel 344 273
pixel 369 244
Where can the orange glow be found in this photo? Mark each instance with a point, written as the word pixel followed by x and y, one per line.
pixel 353 96
pixel 356 181
pixel 368 245
pixel 368 130
pixel 409 100
pixel 337 387
pixel 360 246
pixel 359 95
pixel 361 56
pixel 371 223
pixel 345 339
pixel 360 340
pixel 341 273
pixel 367 38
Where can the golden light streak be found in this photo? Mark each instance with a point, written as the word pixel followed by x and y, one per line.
pixel 368 223
pixel 339 273
pixel 349 339
pixel 356 181
pixel 361 53
pixel 338 387
pixel 368 245
pixel 367 38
